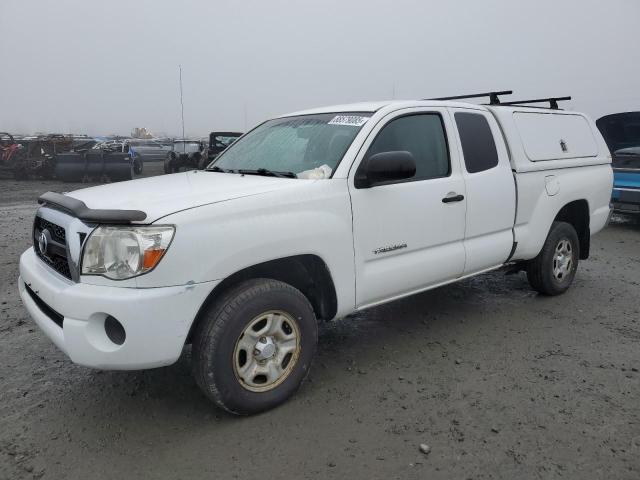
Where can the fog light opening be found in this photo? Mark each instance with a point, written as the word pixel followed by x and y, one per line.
pixel 114 330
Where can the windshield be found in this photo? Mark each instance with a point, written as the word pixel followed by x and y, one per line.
pixel 310 146
pixel 223 141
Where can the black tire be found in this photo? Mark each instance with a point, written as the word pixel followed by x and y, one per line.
pixel 130 173
pixel 169 163
pixel 540 270
pixel 225 320
pixel 138 165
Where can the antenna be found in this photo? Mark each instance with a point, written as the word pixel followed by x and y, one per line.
pixel 181 102
pixel 244 109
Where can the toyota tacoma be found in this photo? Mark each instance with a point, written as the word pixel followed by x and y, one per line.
pixel 310 217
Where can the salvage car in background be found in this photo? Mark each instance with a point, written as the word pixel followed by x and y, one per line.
pixel 218 141
pixel 105 162
pixel 10 155
pixel 185 155
pixel 152 150
pixel 621 131
pixel 35 156
pixel 121 145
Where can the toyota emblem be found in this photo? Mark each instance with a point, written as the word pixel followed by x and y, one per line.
pixel 43 242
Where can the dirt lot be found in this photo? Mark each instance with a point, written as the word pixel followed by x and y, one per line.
pixel 498 381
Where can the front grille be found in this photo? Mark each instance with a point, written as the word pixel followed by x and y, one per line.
pixel 56 256
pixel 57 231
pixel 55 317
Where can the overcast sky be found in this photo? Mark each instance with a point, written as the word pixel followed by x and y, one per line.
pixel 105 67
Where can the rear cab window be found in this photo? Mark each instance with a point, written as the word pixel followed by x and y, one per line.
pixel 478 145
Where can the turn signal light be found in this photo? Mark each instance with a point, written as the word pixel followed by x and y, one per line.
pixel 151 258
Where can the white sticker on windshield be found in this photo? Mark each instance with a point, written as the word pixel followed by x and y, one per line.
pixel 350 120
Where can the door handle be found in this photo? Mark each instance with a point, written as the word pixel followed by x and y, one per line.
pixel 452 197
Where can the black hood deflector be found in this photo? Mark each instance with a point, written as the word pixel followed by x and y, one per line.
pixel 79 209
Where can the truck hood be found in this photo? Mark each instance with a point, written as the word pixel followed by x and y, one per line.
pixel 162 195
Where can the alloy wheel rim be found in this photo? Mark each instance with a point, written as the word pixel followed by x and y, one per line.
pixel 266 351
pixel 562 260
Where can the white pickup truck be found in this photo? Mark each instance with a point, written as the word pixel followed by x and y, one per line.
pixel 310 217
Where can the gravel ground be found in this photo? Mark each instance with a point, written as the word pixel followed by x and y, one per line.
pixel 497 381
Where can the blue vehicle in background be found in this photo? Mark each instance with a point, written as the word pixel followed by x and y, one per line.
pixel 621 131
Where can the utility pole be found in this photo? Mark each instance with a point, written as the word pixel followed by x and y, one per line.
pixel 181 102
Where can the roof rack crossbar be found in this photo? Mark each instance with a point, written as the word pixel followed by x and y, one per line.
pixel 553 101
pixel 493 96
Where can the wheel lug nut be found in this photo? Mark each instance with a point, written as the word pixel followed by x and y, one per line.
pixel 263 339
pixel 256 351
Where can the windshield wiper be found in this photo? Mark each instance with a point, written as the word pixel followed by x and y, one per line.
pixel 218 169
pixel 268 173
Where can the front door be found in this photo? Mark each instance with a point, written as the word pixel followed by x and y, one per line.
pixel 409 235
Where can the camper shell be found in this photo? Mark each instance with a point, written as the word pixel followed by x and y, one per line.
pixel 549 139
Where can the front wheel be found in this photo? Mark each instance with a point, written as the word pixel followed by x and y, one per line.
pixel 254 346
pixel 553 270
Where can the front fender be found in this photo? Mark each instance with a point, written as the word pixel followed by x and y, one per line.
pixel 214 241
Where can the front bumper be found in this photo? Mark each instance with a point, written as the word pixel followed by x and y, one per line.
pixel 156 320
pixel 626 200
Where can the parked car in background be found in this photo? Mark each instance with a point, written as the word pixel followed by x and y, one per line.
pixel 219 141
pixel 185 155
pixel 120 145
pixel 152 150
pixel 309 217
pixel 621 131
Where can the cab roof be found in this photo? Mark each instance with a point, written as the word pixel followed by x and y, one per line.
pixel 493 98
pixel 373 107
pixel 347 107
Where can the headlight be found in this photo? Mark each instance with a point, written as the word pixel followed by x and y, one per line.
pixel 124 252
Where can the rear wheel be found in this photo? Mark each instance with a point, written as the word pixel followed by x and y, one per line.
pixel 553 270
pixel 254 346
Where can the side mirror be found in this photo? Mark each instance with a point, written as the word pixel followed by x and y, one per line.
pixel 385 167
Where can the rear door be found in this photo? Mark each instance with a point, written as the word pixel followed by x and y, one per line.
pixel 408 235
pixel 490 186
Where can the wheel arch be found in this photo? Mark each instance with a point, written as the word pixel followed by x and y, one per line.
pixel 576 213
pixel 307 272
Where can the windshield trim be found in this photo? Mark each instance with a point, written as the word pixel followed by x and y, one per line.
pixel 355 112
